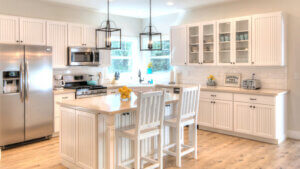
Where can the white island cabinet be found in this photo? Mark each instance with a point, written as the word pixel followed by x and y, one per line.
pixel 87 136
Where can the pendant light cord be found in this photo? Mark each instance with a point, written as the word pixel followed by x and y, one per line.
pixel 108 10
pixel 150 13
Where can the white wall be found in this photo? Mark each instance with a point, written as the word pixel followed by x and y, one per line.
pixel 271 77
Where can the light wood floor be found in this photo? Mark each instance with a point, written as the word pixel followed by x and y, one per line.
pixel 215 151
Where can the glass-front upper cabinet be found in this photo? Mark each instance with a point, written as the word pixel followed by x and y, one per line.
pixel 208 43
pixel 224 42
pixel 193 42
pixel 242 47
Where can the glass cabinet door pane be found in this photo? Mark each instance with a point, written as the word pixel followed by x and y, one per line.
pixel 224 42
pixel 194 44
pixel 208 43
pixel 242 41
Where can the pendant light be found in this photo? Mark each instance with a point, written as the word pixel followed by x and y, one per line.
pixel 105 33
pixel 150 39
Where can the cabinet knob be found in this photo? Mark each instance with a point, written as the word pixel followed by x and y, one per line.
pixel 252 62
pixel 251 106
pixel 254 107
pixel 17 41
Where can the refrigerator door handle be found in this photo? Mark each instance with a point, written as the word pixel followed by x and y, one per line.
pixel 27 77
pixel 21 83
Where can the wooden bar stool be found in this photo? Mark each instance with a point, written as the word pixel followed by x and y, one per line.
pixel 149 123
pixel 186 116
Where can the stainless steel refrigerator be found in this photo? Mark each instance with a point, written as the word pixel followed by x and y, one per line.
pixel 26 98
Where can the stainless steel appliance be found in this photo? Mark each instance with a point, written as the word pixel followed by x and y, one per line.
pixel 252 84
pixel 80 84
pixel 59 83
pixel 80 56
pixel 26 106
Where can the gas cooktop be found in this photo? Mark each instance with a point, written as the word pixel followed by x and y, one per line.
pixel 86 87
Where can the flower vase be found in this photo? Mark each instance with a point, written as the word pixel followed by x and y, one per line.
pixel 211 82
pixel 149 71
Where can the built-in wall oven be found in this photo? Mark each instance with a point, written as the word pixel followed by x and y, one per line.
pixel 80 56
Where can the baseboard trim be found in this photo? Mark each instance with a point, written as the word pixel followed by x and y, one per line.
pixel 294 134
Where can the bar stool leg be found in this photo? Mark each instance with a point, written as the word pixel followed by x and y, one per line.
pixel 195 140
pixel 160 149
pixel 137 154
pixel 178 146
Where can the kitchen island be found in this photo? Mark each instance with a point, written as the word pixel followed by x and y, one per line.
pixel 87 137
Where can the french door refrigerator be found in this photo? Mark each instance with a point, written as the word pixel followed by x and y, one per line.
pixel 26 98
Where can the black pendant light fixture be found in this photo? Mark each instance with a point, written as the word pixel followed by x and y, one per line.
pixel 105 33
pixel 150 39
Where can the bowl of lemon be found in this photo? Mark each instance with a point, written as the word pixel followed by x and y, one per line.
pixel 125 93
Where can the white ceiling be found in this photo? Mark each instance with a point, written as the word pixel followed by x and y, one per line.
pixel 140 8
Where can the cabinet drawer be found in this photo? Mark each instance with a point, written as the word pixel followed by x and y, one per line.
pixel 113 91
pixel 216 96
pixel 70 96
pixel 255 99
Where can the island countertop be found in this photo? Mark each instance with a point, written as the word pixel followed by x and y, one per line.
pixel 110 104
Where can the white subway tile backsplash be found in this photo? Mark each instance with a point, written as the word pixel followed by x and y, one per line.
pixel 271 77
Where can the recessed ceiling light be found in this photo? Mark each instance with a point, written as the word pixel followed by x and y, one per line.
pixel 170 3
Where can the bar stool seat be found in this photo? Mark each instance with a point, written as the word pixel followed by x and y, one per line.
pixel 186 116
pixel 148 124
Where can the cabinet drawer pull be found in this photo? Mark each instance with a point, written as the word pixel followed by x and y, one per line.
pixel 252 99
pixel 65 98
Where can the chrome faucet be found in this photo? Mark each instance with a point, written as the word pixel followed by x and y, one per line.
pixel 140 76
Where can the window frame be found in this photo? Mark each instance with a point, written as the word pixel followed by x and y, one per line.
pixel 131 57
pixel 164 38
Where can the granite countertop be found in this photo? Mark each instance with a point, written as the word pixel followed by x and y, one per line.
pixel 265 92
pixel 63 91
pixel 110 104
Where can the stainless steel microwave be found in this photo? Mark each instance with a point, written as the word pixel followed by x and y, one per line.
pixel 80 56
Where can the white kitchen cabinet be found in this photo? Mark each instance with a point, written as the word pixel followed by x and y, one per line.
pixel 242 41
pixel 264 121
pixel 208 43
pixel 268 39
pixel 68 135
pixel 255 119
pixel 251 116
pixel 193 44
pixel 75 35
pixel 57 109
pixel 178 45
pixel 78 137
pixel 32 31
pixel 86 140
pixel 90 36
pixel 225 36
pixel 113 91
pixel 9 29
pixel 223 115
pixel 57 37
pixel 81 35
pixel 206 113
pixel 243 117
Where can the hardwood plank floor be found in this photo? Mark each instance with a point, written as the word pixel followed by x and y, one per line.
pixel 215 151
